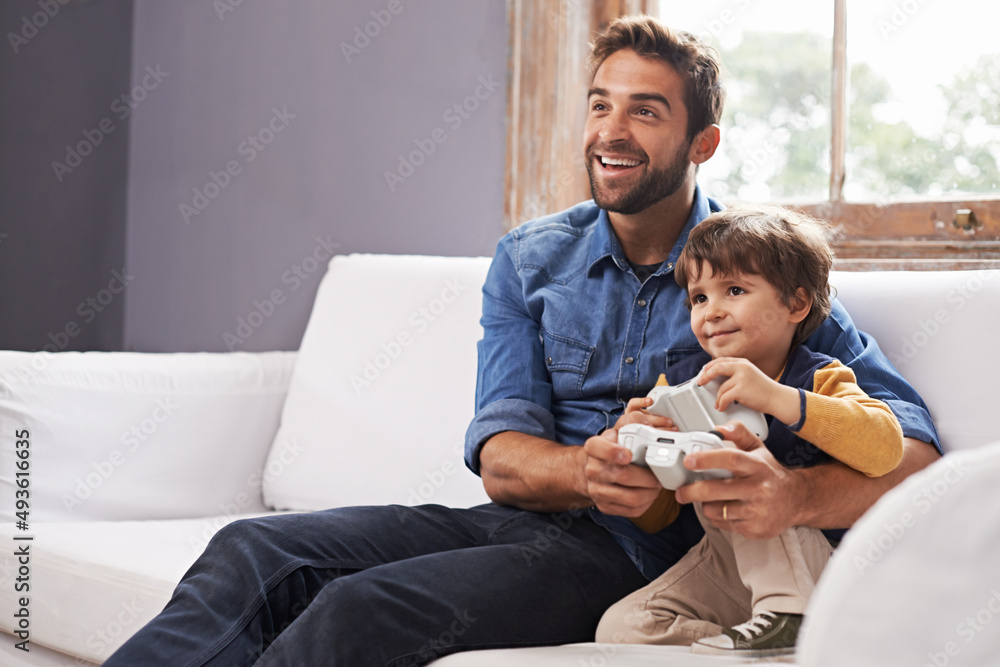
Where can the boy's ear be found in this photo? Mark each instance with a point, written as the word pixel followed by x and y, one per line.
pixel 800 305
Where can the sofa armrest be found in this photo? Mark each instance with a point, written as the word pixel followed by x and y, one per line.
pixel 125 435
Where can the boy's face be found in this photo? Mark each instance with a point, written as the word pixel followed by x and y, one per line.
pixel 742 315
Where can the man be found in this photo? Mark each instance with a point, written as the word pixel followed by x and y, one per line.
pixel 569 338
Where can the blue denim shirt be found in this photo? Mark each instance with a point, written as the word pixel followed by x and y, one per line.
pixel 571 334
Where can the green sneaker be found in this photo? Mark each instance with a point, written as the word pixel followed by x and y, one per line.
pixel 764 635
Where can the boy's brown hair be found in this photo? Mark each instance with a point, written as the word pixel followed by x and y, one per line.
pixel 786 248
pixel 696 62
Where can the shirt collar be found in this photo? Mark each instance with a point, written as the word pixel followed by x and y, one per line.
pixel 605 244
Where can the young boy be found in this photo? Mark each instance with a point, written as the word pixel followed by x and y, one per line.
pixel 757 288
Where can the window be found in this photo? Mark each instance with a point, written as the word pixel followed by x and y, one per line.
pixel 880 116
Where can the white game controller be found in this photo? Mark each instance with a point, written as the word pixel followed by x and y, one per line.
pixel 663 453
pixel 692 408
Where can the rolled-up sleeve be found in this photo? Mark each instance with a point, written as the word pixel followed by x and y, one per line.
pixel 513 388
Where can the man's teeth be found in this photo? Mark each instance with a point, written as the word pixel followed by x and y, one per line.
pixel 618 162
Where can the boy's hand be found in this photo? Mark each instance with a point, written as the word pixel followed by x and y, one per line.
pixel 635 413
pixel 749 386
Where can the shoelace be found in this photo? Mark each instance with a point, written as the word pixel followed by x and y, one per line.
pixel 756 625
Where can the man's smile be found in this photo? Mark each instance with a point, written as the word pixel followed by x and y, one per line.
pixel 612 163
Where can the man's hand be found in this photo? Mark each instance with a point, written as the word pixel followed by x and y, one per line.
pixel 614 486
pixel 763 497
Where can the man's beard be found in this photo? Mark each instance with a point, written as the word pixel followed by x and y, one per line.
pixel 652 187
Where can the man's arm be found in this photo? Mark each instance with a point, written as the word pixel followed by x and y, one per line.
pixel 764 497
pixel 541 475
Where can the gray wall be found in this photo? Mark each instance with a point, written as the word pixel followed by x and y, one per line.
pixel 338 108
pixel 62 228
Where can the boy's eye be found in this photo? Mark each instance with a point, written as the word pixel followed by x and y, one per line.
pixel 698 298
pixel 736 291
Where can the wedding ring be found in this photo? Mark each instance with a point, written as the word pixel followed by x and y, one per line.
pixel 725 516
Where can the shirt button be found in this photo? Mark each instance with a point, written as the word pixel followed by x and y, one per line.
pixel 629 360
pixel 670 265
pixel 642 303
pixel 548 361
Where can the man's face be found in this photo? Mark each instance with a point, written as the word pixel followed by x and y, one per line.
pixel 635 140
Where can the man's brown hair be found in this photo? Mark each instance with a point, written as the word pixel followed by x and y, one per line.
pixel 697 63
pixel 786 248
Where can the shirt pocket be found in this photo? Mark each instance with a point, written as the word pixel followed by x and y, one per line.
pixel 567 361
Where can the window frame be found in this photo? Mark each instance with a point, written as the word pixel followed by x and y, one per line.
pixel 546 173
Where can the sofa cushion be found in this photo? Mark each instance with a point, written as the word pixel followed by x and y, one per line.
pixel 383 387
pixel 93 585
pixel 916 580
pixel 937 328
pixel 138 436
pixel 592 655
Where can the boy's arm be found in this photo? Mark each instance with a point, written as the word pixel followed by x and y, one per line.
pixel 661 513
pixel 838 338
pixel 834 414
pixel 846 423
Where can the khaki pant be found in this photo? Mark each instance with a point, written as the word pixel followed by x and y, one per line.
pixel 723 581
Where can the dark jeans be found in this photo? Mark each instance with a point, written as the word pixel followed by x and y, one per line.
pixel 386 586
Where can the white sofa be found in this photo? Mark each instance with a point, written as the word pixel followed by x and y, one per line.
pixel 135 460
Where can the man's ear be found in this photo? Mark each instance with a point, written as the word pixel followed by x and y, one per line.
pixel 800 305
pixel 704 144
